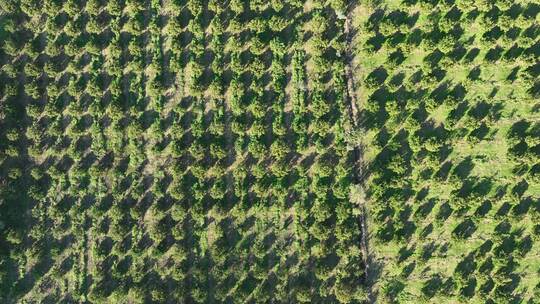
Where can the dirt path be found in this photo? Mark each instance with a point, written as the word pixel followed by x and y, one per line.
pixel 87 224
pixel 358 150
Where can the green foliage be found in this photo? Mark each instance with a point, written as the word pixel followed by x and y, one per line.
pixel 200 151
pixel 447 148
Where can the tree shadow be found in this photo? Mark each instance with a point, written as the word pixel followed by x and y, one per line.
pixel 468 290
pixel 474 73
pixel 427 251
pixel 520 188
pixel 464 168
pixel 508 288
pixel 407 270
pixel 465 229
pixel 444 212
pixel 483 209
pixel 377 77
pixel 466 266
pixel 522 207
pixel 432 286
pixel 471 55
pixel 444 171
pixel 425 209
pixel 487 287
pixel 494 54
pixel 479 133
pixel 405 252
pixel 518 129
pixel 426 231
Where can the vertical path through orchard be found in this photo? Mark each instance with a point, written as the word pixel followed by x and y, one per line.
pixel 358 167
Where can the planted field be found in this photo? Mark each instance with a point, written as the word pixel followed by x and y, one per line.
pixel 201 151
pixel 451 104
pixel 176 151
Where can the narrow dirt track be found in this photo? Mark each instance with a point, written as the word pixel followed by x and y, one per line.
pixel 358 150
